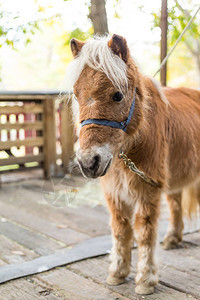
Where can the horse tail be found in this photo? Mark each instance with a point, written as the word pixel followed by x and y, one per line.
pixel 191 200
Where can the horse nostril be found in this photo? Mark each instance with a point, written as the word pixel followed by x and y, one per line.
pixel 95 163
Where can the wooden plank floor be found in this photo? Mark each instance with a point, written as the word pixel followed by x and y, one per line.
pixel 30 227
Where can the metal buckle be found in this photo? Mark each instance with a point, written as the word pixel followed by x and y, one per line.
pixel 134 169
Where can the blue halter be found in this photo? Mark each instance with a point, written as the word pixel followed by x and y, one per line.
pixel 115 124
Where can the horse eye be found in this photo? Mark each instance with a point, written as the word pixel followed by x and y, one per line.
pixel 117 97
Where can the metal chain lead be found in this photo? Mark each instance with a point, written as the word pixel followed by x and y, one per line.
pixel 134 169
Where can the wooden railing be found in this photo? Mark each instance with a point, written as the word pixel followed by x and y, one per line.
pixel 35 132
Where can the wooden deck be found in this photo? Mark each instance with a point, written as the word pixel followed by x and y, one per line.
pixel 30 227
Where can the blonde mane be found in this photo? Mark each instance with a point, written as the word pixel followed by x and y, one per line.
pixel 97 55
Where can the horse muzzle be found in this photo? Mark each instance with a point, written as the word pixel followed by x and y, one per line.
pixel 94 162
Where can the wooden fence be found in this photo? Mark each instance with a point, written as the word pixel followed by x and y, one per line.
pixel 35 131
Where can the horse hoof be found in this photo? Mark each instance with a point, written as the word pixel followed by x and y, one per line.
pixel 115 280
pixel 170 242
pixel 144 290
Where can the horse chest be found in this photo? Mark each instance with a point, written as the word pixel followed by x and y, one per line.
pixel 119 188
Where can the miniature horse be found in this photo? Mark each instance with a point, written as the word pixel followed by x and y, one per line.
pixel 158 129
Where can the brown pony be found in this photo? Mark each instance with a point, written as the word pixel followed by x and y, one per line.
pixel 162 139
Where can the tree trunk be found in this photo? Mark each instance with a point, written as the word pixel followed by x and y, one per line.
pixel 198 60
pixel 163 46
pixel 98 17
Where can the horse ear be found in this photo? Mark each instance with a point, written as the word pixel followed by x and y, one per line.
pixel 76 46
pixel 118 45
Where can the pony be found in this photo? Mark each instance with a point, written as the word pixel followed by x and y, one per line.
pixel 128 117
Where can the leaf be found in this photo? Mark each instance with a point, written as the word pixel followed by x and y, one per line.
pixel 116 15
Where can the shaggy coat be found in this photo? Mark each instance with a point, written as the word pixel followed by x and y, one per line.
pixel 163 140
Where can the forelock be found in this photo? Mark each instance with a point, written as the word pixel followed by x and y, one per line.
pixel 97 55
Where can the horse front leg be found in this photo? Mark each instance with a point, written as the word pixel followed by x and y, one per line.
pixel 145 233
pixel 121 222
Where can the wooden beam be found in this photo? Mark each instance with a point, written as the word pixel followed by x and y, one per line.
pixel 38 125
pixel 49 138
pixel 21 160
pixel 16 109
pixel 28 98
pixel 38 141
pixel 163 46
pixel 21 168
pixel 66 134
pixel 17 96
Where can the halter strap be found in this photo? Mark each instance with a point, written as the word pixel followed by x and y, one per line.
pixel 114 124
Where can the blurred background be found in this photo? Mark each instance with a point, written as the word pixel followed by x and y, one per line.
pixel 35 36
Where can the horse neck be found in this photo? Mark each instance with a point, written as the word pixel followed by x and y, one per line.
pixel 148 137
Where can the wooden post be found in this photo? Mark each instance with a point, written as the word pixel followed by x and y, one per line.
pixel 163 46
pixel 49 138
pixel 29 117
pixel 66 135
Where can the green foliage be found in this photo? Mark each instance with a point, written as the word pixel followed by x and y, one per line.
pixel 116 5
pixel 11 35
pixel 78 34
pixel 177 20
pixel 188 54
